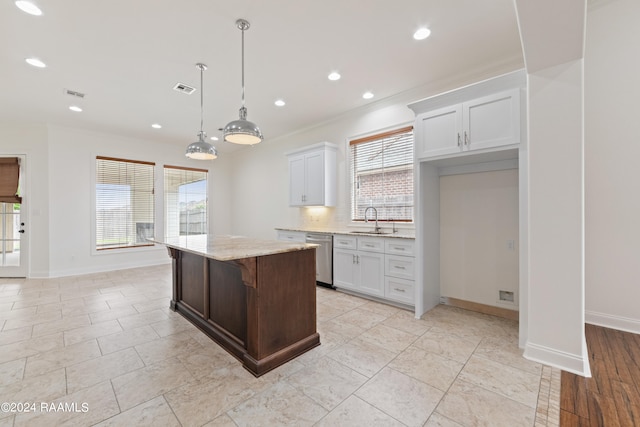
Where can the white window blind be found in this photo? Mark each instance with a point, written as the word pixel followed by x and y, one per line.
pixel 124 203
pixel 382 175
pixel 185 201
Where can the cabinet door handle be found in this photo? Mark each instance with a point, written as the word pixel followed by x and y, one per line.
pixel 369 246
pixel 466 138
pixel 459 141
pixel 357 259
pixel 398 289
pixel 399 267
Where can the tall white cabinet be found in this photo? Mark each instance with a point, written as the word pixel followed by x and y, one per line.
pixel 476 128
pixel 313 175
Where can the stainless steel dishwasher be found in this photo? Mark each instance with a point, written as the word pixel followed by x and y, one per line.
pixel 324 258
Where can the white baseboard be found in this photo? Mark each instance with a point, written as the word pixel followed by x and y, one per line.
pixel 105 268
pixel 567 362
pixel 614 322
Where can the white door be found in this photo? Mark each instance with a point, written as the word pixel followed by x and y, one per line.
pixel 439 132
pixel 13 242
pixel 492 121
pixel 371 273
pixel 314 179
pixel 296 181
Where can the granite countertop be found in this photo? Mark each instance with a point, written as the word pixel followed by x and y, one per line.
pixel 228 248
pixel 401 234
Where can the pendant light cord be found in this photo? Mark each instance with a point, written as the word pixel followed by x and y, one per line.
pixel 243 28
pixel 201 98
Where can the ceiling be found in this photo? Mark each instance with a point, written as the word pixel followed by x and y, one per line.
pixel 126 56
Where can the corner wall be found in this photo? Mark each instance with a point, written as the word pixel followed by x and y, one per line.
pixel 612 150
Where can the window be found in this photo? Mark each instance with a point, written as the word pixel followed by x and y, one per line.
pixel 185 201
pixel 382 175
pixel 124 203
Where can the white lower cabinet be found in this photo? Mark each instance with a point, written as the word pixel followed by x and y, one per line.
pixel 372 266
pixel 357 270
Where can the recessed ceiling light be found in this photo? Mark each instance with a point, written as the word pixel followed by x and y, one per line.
pixel 35 62
pixel 334 76
pixel 422 33
pixel 156 126
pixel 28 7
pixel 214 138
pixel 280 103
pixel 75 108
pixel 367 95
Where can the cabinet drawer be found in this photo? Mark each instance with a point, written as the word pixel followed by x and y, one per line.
pixel 401 290
pixel 292 236
pixel 397 246
pixel 345 242
pixel 399 266
pixel 371 244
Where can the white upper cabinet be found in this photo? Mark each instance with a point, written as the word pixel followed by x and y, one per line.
pixel 312 175
pixel 487 122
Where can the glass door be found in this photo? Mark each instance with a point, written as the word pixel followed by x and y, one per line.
pixel 12 242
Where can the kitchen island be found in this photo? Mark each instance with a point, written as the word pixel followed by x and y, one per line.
pixel 255 298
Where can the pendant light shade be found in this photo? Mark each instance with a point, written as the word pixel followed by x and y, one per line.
pixel 201 149
pixel 242 131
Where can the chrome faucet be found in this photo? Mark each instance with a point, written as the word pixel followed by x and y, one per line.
pixel 375 211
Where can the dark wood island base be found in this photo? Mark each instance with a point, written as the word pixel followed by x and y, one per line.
pixel 261 309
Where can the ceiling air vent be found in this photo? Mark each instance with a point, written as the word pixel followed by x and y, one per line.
pixel 181 87
pixel 73 93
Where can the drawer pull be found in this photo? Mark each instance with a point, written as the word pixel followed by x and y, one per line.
pixel 399 267
pixel 369 246
pixel 397 248
pixel 343 242
pixel 398 289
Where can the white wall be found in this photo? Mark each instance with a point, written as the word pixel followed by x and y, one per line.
pixel 259 176
pixel 61 198
pixel 31 140
pixel 478 216
pixel 612 150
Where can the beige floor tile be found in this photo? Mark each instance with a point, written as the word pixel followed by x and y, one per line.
pixel 438 341
pixel 126 301
pixel 11 372
pixel 329 341
pixel 60 358
pixel 173 325
pixel 355 412
pixel 29 317
pixel 22 313
pixel 196 404
pixel 361 318
pixel 346 301
pixel 112 314
pixel 280 405
pixel 90 332
pixel 362 357
pixel 130 338
pixel 155 412
pixel 15 335
pixel 437 420
pixel 388 392
pixel 151 305
pixel 6 420
pixel 471 405
pixel 167 347
pixel 389 338
pixel 95 371
pixel 42 388
pixel 36 301
pixel 326 311
pixel 74 307
pixel 142 319
pixel 507 353
pixel 85 407
pixel 380 308
pixel 406 322
pixel 64 324
pixel 222 421
pixel 31 347
pixel 432 369
pixel 205 361
pixel 151 381
pixel 327 382
pixel 335 325
pixel 510 382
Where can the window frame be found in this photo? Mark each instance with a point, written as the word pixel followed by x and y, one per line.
pixel 95 183
pixel 164 195
pixel 379 135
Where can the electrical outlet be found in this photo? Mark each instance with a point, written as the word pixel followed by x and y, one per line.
pixel 506 296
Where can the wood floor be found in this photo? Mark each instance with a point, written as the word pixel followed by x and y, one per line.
pixel 611 397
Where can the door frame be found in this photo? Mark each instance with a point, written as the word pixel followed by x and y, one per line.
pixel 23 269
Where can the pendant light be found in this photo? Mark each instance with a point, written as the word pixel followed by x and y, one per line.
pixel 201 149
pixel 242 131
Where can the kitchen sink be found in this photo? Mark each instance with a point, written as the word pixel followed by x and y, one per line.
pixel 370 232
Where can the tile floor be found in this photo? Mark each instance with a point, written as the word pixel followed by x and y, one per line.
pixel 105 349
